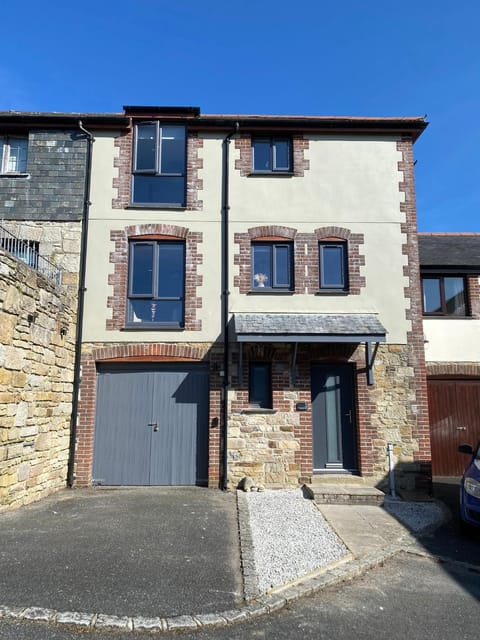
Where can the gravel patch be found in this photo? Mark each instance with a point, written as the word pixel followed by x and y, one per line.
pixel 290 537
pixel 417 516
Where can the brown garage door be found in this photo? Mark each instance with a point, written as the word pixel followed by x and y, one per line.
pixel 454 407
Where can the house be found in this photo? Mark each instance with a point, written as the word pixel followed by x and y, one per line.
pixel 252 302
pixel 450 271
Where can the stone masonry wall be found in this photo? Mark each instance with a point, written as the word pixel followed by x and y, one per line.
pixel 36 374
pixel 275 447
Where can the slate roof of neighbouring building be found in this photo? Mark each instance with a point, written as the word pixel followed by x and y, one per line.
pixel 309 324
pixel 449 250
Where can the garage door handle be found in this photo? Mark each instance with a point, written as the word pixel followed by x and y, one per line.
pixel 461 428
pixel 154 425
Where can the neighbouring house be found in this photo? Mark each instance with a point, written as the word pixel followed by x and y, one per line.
pixel 252 302
pixel 450 271
pixel 43 179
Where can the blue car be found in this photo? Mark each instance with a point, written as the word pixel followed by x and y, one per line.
pixel 470 487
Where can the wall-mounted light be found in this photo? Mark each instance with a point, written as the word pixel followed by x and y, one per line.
pixel 31 317
pixel 63 331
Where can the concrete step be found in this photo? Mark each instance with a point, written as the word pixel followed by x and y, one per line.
pixel 344 494
pixel 337 478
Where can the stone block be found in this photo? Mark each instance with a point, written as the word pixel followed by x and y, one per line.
pixel 21 415
pixel 23 471
pixel 8 323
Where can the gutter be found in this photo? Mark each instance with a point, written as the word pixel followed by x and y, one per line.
pixel 225 299
pixel 80 308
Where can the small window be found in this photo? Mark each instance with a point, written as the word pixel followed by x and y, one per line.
pixel 25 250
pixel 159 164
pixel 14 155
pixel 272 266
pixel 156 284
pixel 333 265
pixel 444 295
pixel 260 385
pixel 271 155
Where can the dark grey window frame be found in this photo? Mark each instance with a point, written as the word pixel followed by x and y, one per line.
pixel 291 270
pixel 444 312
pixel 156 172
pixel 343 245
pixel 265 402
pixel 157 244
pixel 272 140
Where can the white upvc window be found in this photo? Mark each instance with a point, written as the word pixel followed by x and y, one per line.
pixel 14 155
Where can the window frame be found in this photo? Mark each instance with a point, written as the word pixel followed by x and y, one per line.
pixel 6 154
pixel 156 244
pixel 273 141
pixel 267 401
pixel 274 245
pixel 444 313
pixel 156 171
pixel 343 245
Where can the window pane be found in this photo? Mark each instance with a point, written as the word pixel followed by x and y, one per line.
pixel 17 161
pixel 282 266
pixel 144 311
pixel 146 147
pixel 170 270
pixel 455 296
pixel 261 267
pixel 432 302
pixel 332 260
pixel 142 269
pixel 259 386
pixel 261 155
pixel 173 150
pixel 158 190
pixel 281 155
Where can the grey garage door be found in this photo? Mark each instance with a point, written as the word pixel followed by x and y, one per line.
pixel 151 425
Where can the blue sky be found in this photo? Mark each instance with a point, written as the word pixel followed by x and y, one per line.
pixel 370 57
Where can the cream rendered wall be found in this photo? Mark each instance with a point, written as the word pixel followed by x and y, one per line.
pixel 452 340
pixel 103 219
pixel 351 183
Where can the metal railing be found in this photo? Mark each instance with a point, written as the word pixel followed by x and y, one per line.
pixel 27 252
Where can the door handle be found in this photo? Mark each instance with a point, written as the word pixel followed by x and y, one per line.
pixel 461 428
pixel 349 415
pixel 154 425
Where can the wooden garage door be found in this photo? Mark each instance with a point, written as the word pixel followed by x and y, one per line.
pixel 454 407
pixel 151 425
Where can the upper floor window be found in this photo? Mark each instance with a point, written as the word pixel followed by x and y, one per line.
pixel 333 265
pixel 272 266
pixel 159 164
pixel 444 295
pixel 14 155
pixel 156 285
pixel 271 155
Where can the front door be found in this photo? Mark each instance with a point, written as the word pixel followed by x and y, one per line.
pixel 333 417
pixel 151 425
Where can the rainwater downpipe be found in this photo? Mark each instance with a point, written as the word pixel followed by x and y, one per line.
pixel 80 307
pixel 225 299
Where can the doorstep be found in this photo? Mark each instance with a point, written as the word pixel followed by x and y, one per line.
pixel 342 489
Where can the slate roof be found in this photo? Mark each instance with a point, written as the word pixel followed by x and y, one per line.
pixel 316 326
pixel 452 250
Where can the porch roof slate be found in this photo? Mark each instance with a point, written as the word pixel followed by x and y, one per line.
pixel 308 327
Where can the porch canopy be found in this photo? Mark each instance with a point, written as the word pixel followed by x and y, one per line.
pixel 311 327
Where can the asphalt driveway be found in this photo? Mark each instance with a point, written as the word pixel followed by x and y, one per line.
pixel 126 551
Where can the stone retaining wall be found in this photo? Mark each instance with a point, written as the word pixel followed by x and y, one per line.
pixel 36 374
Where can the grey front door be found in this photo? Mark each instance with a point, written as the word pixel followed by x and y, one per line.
pixel 151 425
pixel 333 417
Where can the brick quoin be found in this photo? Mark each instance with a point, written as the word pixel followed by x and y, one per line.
pixel 143 352
pixel 119 278
pixel 413 294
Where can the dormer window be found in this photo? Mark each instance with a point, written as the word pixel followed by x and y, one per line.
pixel 159 165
